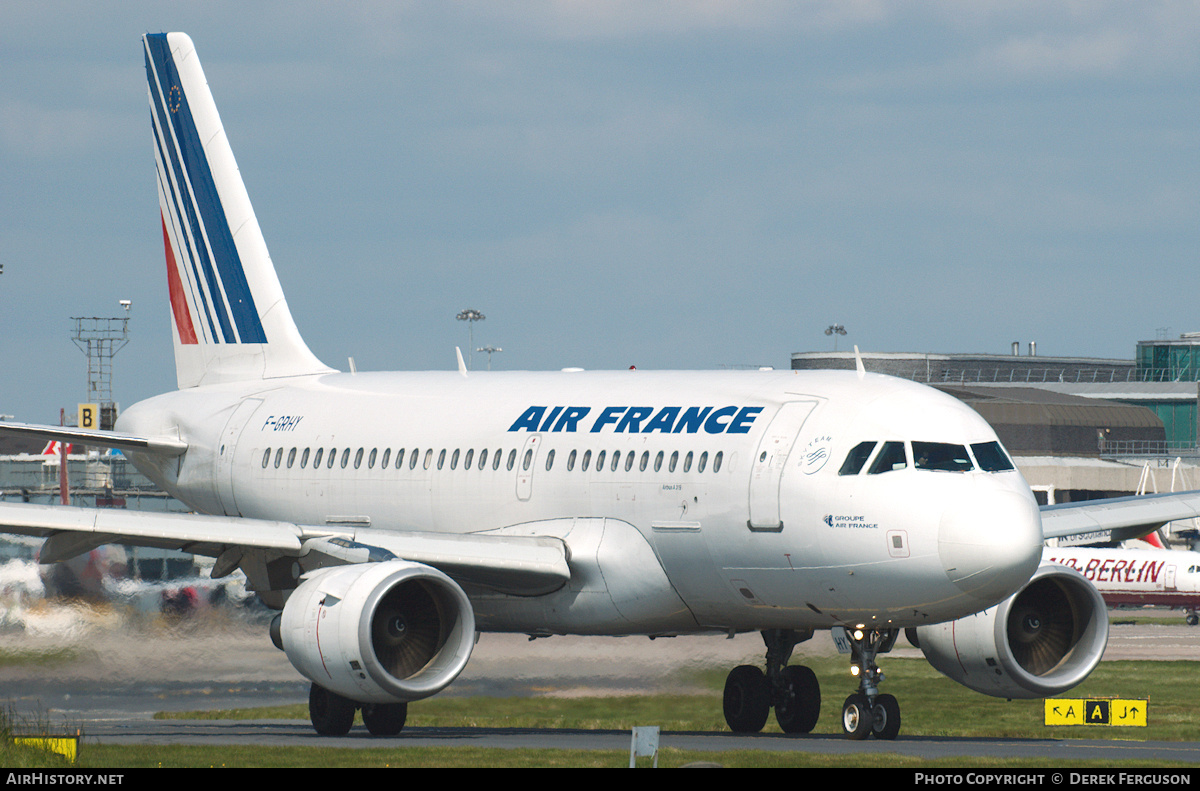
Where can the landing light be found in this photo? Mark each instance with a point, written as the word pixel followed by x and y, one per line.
pixel 854 670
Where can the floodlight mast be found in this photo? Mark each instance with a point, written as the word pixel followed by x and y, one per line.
pixel 835 330
pixel 470 315
pixel 100 339
pixel 490 350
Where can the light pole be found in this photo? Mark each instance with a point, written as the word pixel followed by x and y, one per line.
pixel 835 330
pixel 470 315
pixel 489 350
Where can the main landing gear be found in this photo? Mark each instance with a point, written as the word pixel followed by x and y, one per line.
pixel 795 695
pixel 332 715
pixel 792 690
pixel 866 712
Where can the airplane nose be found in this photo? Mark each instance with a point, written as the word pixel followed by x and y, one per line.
pixel 991 544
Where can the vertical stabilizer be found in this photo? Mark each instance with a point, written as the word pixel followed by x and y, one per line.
pixel 231 320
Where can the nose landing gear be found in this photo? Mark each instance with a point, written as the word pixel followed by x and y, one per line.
pixel 866 712
pixel 792 690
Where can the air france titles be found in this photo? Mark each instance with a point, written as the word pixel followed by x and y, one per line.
pixel 638 419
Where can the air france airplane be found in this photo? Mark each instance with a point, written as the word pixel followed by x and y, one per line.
pixel 391 517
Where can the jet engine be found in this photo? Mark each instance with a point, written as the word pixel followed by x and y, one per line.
pixel 385 632
pixel 1041 641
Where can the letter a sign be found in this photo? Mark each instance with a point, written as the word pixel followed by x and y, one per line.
pixel 1109 711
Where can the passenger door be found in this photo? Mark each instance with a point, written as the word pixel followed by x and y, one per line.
pixel 770 460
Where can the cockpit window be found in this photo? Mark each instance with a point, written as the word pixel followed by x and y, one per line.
pixel 891 457
pixel 942 457
pixel 991 457
pixel 857 458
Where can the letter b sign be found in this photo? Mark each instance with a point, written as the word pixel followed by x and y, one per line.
pixel 89 416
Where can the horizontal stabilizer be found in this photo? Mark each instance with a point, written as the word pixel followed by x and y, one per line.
pixel 161 446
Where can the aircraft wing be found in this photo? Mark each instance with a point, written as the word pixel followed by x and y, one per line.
pixel 1118 518
pixel 165 446
pixel 521 565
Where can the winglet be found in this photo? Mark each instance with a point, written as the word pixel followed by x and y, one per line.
pixel 858 363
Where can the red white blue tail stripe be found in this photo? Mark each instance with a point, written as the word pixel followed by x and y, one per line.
pixel 211 300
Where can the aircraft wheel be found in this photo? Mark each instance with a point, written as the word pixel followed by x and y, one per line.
pixel 799 704
pixel 747 699
pixel 857 717
pixel 1191 619
pixel 886 721
pixel 330 713
pixel 384 719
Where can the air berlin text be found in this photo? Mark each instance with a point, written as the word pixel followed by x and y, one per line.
pixel 1113 569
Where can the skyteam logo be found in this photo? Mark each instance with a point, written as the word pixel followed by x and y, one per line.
pixel 815 455
pixel 638 419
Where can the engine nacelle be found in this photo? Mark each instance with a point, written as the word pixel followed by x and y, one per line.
pixel 379 632
pixel 1041 641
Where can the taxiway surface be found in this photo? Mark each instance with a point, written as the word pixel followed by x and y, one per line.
pixel 111 681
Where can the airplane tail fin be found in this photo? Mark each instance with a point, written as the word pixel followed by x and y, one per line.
pixel 230 317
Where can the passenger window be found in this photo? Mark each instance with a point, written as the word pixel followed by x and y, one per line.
pixel 717 460
pixel 332 458
pixel 291 457
pixel 645 462
pixel 703 461
pixel 616 461
pixel 358 458
pixel 512 459
pixel 571 461
pixel 525 462
pixel 371 458
pixel 470 458
pixel 399 458
pixel 278 457
pixel 454 460
pixel 674 461
pixel 941 457
pixel 387 455
pixel 629 460
pixel 317 458
pixel 687 462
pixel 891 457
pixel 412 458
pixel 483 454
pixel 587 459
pixel 658 461
pixel 857 457
pixel 600 460
pixel 304 459
pixel 428 459
pixel 496 459
pixel 345 458
pixel 266 457
pixel 549 460
pixel 442 458
pixel 991 457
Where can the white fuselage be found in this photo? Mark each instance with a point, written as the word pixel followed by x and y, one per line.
pixel 725 491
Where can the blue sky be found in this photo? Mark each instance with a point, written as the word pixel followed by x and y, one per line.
pixel 666 184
